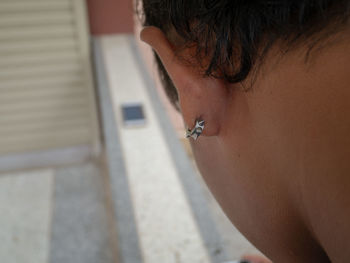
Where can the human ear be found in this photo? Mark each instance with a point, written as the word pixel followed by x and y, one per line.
pixel 200 97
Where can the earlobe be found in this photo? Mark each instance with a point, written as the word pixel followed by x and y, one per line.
pixel 200 97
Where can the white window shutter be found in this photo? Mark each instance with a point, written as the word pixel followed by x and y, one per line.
pixel 46 88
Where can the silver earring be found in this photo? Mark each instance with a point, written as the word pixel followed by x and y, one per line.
pixel 196 131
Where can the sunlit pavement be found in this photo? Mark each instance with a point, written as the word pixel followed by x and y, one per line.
pixel 144 202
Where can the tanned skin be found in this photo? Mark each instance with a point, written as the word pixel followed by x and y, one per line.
pixel 276 157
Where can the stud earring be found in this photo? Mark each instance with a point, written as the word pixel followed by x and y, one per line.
pixel 196 131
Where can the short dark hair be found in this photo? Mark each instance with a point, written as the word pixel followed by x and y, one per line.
pixel 233 35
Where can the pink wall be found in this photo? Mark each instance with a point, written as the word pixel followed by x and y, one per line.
pixel 110 16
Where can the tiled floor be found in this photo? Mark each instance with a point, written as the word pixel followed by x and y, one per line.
pixel 55 215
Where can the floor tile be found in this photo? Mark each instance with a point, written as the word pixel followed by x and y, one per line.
pixel 25 215
pixel 81 232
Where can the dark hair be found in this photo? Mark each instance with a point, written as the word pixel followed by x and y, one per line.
pixel 231 36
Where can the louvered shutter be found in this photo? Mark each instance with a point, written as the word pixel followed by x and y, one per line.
pixel 46 93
